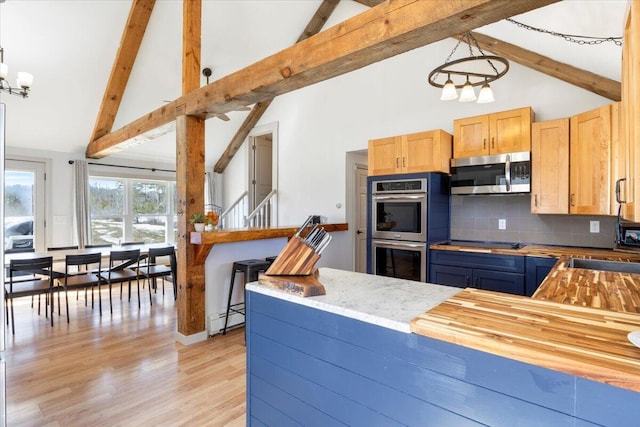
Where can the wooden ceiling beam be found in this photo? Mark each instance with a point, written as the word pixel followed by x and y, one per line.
pixel 592 82
pixel 389 29
pixel 370 3
pixel 314 26
pixel 122 65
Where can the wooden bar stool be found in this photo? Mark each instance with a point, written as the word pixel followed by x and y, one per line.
pixel 250 268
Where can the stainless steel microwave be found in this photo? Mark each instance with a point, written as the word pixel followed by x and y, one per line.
pixel 497 174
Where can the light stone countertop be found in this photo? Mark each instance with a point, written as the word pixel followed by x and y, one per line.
pixel 383 301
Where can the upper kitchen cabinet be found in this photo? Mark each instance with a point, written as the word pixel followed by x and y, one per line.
pixel 550 167
pixel 629 111
pixel 590 167
pixel 417 152
pixel 496 133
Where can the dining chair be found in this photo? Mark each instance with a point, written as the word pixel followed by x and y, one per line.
pixel 123 267
pixel 40 283
pixel 82 272
pixel 153 269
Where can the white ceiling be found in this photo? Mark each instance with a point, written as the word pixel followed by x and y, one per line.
pixel 69 47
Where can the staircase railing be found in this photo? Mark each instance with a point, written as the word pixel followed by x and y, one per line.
pixel 261 215
pixel 235 215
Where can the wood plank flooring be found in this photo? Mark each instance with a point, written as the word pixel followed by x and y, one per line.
pixel 121 369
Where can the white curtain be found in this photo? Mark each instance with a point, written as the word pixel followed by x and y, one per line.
pixel 81 211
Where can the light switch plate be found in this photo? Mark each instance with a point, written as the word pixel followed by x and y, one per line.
pixel 594 226
pixel 502 224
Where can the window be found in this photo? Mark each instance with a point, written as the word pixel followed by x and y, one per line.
pixel 24 205
pixel 135 210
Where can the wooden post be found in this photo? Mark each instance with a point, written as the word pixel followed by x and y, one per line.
pixel 190 147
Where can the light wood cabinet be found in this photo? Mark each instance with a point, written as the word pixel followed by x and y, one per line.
pixel 496 133
pixel 590 167
pixel 629 113
pixel 550 167
pixel 428 151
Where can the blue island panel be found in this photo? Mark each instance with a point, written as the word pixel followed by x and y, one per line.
pixel 310 367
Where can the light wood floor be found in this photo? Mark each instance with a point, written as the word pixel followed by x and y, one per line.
pixel 123 369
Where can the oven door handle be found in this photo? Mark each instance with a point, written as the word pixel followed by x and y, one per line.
pixel 380 243
pixel 399 197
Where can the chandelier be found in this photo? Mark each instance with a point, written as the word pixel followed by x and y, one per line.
pixel 24 80
pixel 467 73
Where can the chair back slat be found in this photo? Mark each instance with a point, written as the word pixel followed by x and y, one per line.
pixel 84 261
pixel 128 255
pixel 160 252
pixel 33 265
pixel 61 248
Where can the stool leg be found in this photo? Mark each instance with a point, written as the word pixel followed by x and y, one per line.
pixel 226 318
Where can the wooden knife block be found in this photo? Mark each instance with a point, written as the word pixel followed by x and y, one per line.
pixel 296 259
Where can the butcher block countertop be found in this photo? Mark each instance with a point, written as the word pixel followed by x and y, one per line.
pixel 542 251
pixel 586 342
pixel 576 322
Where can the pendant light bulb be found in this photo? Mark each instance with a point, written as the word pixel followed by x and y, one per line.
pixel 449 91
pixel 467 94
pixel 486 94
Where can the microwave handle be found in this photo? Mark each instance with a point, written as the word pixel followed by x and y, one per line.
pixel 507 172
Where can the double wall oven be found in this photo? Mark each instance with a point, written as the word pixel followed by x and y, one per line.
pixel 400 223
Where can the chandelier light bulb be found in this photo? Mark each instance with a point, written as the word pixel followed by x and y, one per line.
pixel 486 94
pixel 4 71
pixel 24 80
pixel 449 91
pixel 467 94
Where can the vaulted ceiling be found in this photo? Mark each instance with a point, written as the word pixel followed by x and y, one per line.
pixel 70 46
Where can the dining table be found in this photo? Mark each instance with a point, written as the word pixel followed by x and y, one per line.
pixel 59 256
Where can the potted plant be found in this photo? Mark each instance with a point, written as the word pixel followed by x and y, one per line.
pixel 197 219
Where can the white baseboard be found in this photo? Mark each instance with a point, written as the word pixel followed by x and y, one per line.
pixel 191 339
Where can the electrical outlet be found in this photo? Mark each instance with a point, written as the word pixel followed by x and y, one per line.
pixel 502 224
pixel 594 226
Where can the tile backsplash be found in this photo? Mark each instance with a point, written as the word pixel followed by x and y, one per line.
pixel 476 218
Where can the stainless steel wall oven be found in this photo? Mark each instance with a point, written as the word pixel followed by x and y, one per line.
pixel 406 212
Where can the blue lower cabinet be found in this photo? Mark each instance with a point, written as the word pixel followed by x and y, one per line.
pixel 537 270
pixel 314 368
pixel 451 276
pixel 500 273
pixel 499 281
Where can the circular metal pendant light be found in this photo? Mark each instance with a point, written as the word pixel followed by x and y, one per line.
pixel 467 73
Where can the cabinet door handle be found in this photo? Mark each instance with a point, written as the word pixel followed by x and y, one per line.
pixel 484 144
pixel 404 162
pixel 467 281
pixel 397 162
pixel 571 200
pixel 618 199
pixel 536 200
pixel 493 142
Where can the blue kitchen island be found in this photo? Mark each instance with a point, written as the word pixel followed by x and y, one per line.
pixel 349 358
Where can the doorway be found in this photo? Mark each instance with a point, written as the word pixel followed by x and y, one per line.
pixel 260 171
pixel 263 167
pixel 24 205
pixel 361 219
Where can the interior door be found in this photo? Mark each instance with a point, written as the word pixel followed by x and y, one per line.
pixel 261 165
pixel 24 205
pixel 361 219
